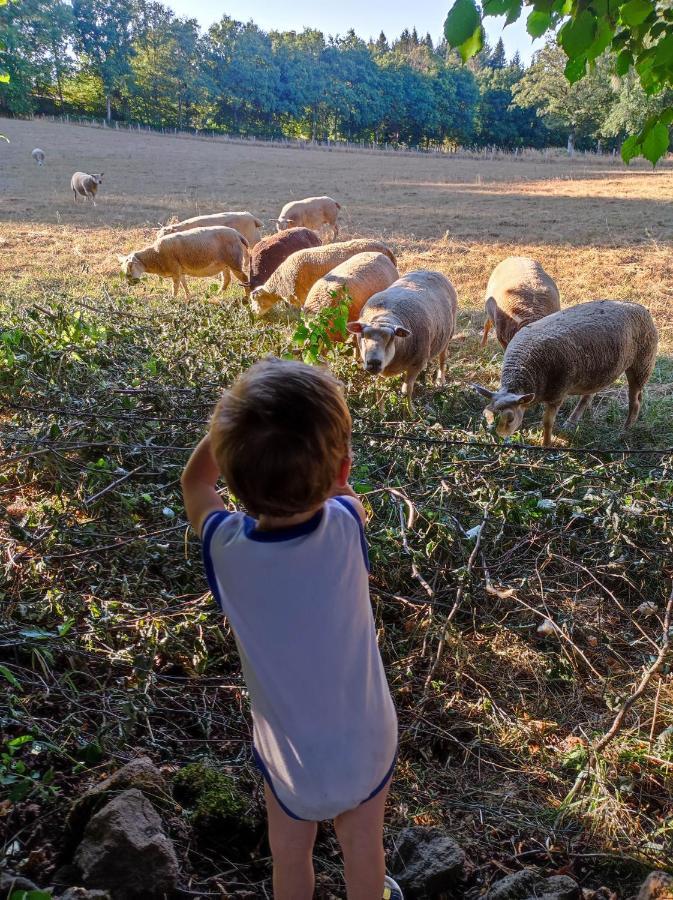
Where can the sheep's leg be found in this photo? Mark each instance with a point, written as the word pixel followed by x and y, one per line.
pixel 74 196
pixel 183 282
pixel 550 411
pixel 176 285
pixel 440 381
pixel 225 278
pixel 578 412
pixel 240 275
pixel 487 327
pixel 381 400
pixel 408 389
pixel 335 228
pixel 635 398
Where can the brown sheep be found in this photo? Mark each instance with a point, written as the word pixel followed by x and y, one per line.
pixel 355 280
pixel 274 249
pixel 577 351
pixel 199 252
pixel 519 292
pixel 402 328
pixel 296 276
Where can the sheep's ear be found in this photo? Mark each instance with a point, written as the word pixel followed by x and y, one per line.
pixel 402 332
pixel 525 399
pixel 483 391
pixel 354 327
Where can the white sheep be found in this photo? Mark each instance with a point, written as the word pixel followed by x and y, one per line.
pixel 244 222
pixel 295 277
pixel 199 252
pixel 39 156
pixel 402 328
pixel 519 292
pixel 577 351
pixel 86 186
pixel 353 281
pixel 313 212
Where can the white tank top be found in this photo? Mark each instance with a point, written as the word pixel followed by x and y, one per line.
pixel 297 599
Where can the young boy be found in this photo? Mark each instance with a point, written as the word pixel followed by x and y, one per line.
pixel 293 583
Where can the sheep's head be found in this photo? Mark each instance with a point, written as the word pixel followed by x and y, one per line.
pixel 376 342
pixel 262 300
pixel 132 268
pixel 98 178
pixel 282 224
pixel 504 410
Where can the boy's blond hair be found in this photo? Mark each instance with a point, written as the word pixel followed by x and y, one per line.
pixel 280 435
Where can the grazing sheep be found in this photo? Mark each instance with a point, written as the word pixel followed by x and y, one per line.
pixel 86 186
pixel 39 156
pixel 200 252
pixel 578 351
pixel 402 328
pixel 296 276
pixel 244 222
pixel 274 250
pixel 355 280
pixel 519 292
pixel 313 212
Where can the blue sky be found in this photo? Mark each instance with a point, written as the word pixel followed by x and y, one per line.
pixel 367 17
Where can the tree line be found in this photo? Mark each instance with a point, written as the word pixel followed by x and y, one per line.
pixel 136 61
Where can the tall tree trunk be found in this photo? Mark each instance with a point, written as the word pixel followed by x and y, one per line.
pixel 571 144
pixel 108 103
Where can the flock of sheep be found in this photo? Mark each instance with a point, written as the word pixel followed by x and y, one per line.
pixel 402 322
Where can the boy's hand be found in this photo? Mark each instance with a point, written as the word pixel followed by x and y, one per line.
pixel 198 481
pixel 345 490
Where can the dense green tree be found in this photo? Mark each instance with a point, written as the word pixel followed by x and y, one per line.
pixel 104 34
pixel 498 58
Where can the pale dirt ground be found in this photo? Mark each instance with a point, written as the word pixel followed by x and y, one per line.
pixel 600 229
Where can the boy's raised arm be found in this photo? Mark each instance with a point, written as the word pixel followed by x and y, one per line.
pixel 198 481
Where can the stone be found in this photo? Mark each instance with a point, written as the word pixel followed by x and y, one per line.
pixel 140 773
pixel 125 851
pixel 426 862
pixel 80 893
pixel 10 882
pixel 531 884
pixel 657 886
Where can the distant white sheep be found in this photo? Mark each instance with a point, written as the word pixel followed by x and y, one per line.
pixel 519 292
pixel 86 186
pixel 199 252
pixel 577 351
pixel 244 222
pixel 39 156
pixel 313 213
pixel 402 328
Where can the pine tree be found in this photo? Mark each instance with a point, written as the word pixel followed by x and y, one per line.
pixel 516 61
pixel 498 58
pixel 427 40
pixel 382 45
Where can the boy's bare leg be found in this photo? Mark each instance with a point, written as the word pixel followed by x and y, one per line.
pixel 360 833
pixel 291 843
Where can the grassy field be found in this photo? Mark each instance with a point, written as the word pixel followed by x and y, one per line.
pixel 110 645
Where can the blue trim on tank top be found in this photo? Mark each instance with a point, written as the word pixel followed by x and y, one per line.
pixel 343 501
pixel 207 533
pixel 281 534
pixel 259 762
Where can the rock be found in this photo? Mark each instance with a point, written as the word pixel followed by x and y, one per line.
pixel 427 862
pixel 657 886
pixel 531 884
pixel 125 851
pixel 10 882
pixel 80 893
pixel 140 773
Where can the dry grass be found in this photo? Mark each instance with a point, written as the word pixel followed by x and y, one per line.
pixel 492 747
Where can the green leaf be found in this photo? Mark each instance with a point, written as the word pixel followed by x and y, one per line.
pixel 537 23
pixel 624 62
pixel 664 51
pixel 578 34
pixel 29 895
pixel 635 12
pixel 473 44
pixel 17 742
pixel 666 115
pixel 655 142
pixel 9 676
pixel 575 69
pixel 461 23
pixel 497 7
pixel 602 40
pixel 631 148
pixel 514 12
pixel 4 77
